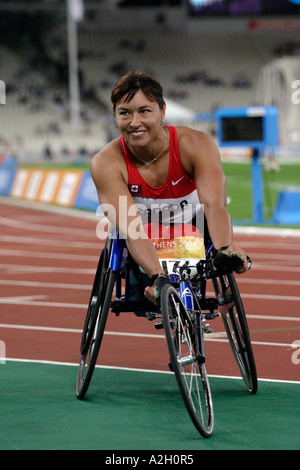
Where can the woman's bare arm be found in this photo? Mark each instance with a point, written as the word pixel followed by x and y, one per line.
pixel 121 210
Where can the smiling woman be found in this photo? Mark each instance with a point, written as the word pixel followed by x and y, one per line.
pixel 159 166
pixel 139 121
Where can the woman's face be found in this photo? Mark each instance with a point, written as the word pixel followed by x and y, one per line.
pixel 139 121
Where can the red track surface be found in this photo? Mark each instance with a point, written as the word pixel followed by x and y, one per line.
pixel 47 266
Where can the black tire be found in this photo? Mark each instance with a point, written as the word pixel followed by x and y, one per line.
pixel 190 372
pixel 94 304
pixel 236 326
pixel 93 332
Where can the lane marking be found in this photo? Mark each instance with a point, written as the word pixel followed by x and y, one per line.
pixel 45 285
pixel 134 335
pixel 49 254
pixel 46 228
pixel 23 298
pixel 282 282
pixel 279 268
pixel 53 242
pixel 8 282
pixel 42 304
pixel 272 317
pixel 44 269
pixel 69 305
pixel 132 369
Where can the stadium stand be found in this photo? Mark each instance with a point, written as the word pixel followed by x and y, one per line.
pixel 202 71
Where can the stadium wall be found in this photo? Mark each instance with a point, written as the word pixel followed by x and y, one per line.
pixel 68 188
pixel 164 19
pixel 76 189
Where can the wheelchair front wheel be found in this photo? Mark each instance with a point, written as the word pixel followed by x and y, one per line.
pixel 190 371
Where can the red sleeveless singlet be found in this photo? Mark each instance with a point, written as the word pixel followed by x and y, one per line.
pixel 177 200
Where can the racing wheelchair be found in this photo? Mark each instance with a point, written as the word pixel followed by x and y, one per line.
pixel 183 314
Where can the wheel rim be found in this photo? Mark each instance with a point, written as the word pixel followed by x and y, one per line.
pixel 190 373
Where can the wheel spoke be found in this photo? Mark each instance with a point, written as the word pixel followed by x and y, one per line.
pixel 191 377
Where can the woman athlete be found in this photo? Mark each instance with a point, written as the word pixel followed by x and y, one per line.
pixel 151 167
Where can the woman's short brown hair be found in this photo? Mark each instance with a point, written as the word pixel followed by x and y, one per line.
pixel 132 82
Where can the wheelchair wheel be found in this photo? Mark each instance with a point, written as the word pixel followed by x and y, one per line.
pixel 236 326
pixel 182 336
pixel 95 323
pixel 94 304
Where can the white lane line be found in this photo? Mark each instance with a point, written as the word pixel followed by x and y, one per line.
pixel 279 268
pixel 23 298
pixel 40 328
pixel 292 298
pixel 40 269
pixel 8 282
pixel 49 254
pixel 45 285
pixel 134 335
pixel 10 268
pixel 132 369
pixel 46 228
pixel 15 300
pixel 91 245
pixel 276 256
pixel 281 282
pixel 272 317
pixel 267 231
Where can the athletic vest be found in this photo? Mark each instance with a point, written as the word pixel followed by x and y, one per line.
pixel 176 202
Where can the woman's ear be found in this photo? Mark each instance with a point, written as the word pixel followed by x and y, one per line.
pixel 163 113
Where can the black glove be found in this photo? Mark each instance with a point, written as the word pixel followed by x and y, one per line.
pixel 158 281
pixel 225 258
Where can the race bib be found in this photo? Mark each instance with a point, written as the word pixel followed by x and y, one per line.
pixel 187 247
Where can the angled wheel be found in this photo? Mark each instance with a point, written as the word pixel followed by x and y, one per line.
pixel 236 326
pixel 182 331
pixel 94 304
pixel 95 323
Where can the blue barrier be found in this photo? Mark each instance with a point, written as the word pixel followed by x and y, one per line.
pixel 87 197
pixel 7 174
pixel 287 210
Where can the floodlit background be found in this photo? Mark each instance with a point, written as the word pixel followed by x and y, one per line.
pixel 59 61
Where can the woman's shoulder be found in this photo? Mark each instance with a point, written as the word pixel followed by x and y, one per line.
pixel 190 140
pixel 185 133
pixel 108 160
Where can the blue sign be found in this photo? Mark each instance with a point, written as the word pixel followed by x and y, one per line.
pixel 253 126
pixel 7 175
pixel 297 2
pixel 287 209
pixel 87 197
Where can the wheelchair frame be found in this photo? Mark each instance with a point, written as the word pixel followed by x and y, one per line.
pixel 191 301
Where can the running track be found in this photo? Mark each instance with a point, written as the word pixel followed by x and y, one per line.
pixel 47 264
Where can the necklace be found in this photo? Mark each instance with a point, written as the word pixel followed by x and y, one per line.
pixel 147 164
